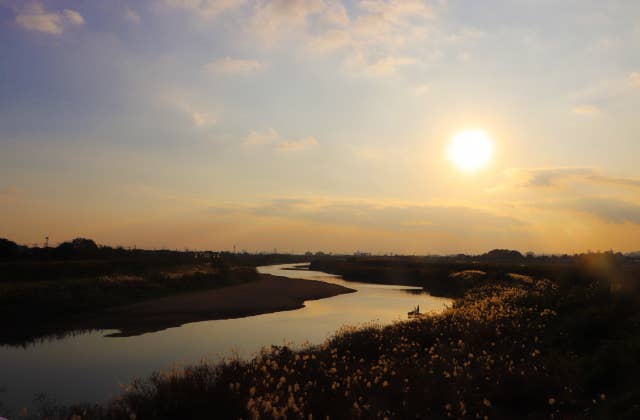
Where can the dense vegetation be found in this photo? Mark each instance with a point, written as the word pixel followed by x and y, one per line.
pixel 434 274
pixel 513 346
pixel 44 291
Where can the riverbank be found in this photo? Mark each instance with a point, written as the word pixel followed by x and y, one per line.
pixel 140 304
pixel 34 306
pixel 513 349
pixel 265 295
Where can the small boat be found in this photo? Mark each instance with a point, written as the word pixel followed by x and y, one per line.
pixel 415 312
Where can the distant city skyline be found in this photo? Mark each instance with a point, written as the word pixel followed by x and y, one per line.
pixel 321 125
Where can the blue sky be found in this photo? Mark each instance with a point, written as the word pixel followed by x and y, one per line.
pixel 320 124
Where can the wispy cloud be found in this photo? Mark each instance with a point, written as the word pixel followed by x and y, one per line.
pixel 609 210
pixel 388 215
pixel 36 18
pixel 272 138
pixel 204 119
pixel 557 177
pixel 228 65
pixel 296 145
pixel 377 67
pixel 205 9
pixel 198 113
pixel 276 19
pixel 256 137
pixel 586 110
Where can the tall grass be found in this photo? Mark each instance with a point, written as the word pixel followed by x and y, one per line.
pixel 507 350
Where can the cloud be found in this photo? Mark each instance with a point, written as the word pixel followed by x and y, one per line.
pixel 276 19
pixel 132 16
pixel 268 136
pixel 206 9
pixel 386 215
pixel 35 18
pixel 296 145
pixel 228 65
pixel 204 119
pixel 199 115
pixel 557 177
pixel 397 11
pixel 377 67
pixel 586 110
pixel 608 210
pixel 73 17
pixel 271 137
pixel 545 177
pixel 600 95
pixel 375 41
pixel 331 40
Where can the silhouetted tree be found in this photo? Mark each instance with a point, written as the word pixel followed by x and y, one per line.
pixel 8 249
pixel 77 248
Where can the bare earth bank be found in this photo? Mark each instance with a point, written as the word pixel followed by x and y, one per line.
pixel 269 294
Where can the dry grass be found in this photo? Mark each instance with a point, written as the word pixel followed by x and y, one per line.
pixel 503 351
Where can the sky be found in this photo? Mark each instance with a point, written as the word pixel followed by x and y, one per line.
pixel 320 125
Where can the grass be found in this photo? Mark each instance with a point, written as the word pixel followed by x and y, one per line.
pixel 36 308
pixel 507 349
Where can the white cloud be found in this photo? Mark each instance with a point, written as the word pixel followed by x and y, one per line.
pixel 36 18
pixel 228 65
pixel 296 145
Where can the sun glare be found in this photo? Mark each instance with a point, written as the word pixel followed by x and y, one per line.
pixel 470 150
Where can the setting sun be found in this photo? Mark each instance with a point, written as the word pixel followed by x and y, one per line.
pixel 319 209
pixel 470 150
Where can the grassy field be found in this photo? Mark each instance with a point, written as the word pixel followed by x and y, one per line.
pixel 511 347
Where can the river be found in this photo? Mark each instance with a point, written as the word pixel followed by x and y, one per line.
pixel 90 367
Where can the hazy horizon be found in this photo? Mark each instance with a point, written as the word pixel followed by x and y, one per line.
pixel 322 124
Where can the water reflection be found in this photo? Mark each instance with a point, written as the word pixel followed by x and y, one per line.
pixel 90 367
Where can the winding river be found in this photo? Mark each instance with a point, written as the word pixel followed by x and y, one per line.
pixel 91 367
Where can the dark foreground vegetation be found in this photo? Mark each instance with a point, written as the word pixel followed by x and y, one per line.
pixel 45 291
pixel 513 346
pixel 437 274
